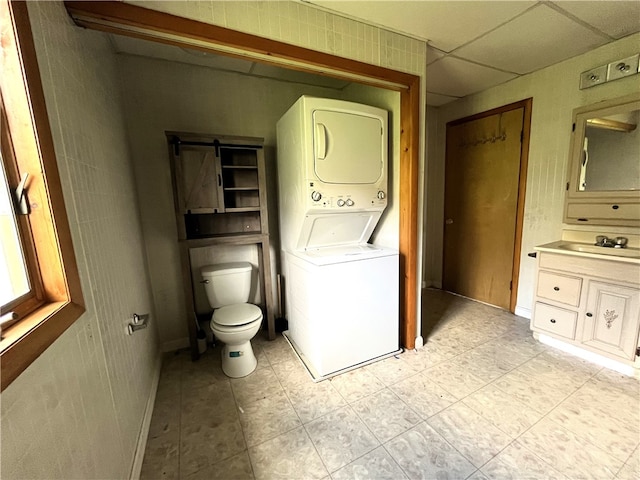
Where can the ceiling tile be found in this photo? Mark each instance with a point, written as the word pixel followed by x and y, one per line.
pixel 436 100
pixel 539 38
pixel 446 24
pixel 617 19
pixel 433 54
pixel 456 77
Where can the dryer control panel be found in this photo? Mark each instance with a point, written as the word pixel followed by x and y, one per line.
pixel 341 197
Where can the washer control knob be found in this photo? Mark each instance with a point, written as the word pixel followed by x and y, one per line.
pixel 349 202
pixel 316 196
pixel 340 202
pixel 381 195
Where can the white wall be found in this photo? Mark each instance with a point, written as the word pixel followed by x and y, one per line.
pixel 162 96
pixel 555 94
pixel 76 412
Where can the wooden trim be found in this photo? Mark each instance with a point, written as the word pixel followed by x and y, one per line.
pixel 134 21
pixel 31 135
pixel 522 190
pixel 409 147
pixel 527 105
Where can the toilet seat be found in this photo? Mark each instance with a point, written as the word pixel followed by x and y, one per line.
pixel 232 318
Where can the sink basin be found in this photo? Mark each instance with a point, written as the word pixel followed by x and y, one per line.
pixel 587 248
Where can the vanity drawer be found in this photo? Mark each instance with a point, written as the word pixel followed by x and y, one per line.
pixel 557 321
pixel 559 288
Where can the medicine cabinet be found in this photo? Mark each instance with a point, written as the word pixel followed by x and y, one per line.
pixel 603 181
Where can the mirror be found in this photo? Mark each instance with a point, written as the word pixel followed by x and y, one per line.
pixel 611 153
pixel 603 181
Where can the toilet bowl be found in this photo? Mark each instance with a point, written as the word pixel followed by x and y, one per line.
pixel 234 322
pixel 235 326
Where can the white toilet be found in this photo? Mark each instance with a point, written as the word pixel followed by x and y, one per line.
pixel 234 322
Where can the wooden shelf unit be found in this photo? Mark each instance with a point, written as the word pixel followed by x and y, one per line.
pixel 220 198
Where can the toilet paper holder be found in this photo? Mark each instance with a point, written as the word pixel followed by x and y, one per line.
pixel 138 322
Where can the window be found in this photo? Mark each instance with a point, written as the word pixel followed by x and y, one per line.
pixel 39 279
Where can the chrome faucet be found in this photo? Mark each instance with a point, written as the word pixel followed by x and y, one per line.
pixel 604 241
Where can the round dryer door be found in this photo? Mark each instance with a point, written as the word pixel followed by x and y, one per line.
pixel 236 315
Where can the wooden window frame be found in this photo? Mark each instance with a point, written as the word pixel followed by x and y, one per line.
pixel 62 301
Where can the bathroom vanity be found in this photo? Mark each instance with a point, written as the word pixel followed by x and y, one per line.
pixel 589 296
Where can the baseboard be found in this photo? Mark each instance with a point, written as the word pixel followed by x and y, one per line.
pixel 523 312
pixel 146 423
pixel 174 345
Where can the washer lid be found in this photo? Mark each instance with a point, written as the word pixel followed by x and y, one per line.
pixel 237 314
pixel 225 268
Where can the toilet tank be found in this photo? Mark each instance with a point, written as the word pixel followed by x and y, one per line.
pixel 227 283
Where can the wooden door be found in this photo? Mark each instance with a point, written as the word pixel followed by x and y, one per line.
pixel 482 183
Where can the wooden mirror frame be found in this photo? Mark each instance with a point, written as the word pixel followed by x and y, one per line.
pixel 598 207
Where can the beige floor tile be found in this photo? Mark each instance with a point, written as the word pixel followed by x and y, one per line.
pixel 455 378
pixel 385 414
pixel 211 441
pixel 165 417
pixel 161 457
pixel 516 462
pixel 478 475
pixel 567 453
pixel 267 418
pixel 489 361
pixel 356 384
pixel 278 351
pixel 423 395
pixel 312 400
pixel 428 356
pixel 377 465
pixel 290 455
pixel 502 410
pixel 212 402
pixel 631 469
pixel 391 370
pixel 584 415
pixel 422 453
pixel 291 373
pixel 237 467
pixel 258 385
pixel 340 437
pixel 469 433
pixel 533 391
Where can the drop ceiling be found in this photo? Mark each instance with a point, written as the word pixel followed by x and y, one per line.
pixel 472 45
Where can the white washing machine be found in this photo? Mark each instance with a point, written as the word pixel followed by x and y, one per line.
pixel 342 304
pixel 341 293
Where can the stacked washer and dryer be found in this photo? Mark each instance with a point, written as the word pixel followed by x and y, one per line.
pixel 341 293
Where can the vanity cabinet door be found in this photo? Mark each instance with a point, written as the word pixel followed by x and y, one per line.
pixel 611 319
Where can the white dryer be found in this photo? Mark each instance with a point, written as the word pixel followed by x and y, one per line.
pixel 341 292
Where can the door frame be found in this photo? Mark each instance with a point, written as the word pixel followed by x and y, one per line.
pixel 527 105
pixel 134 21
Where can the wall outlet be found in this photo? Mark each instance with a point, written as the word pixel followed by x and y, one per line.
pixel 622 68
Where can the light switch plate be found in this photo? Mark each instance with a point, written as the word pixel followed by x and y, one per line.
pixel 593 77
pixel 622 68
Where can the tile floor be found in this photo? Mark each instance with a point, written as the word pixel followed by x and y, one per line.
pixel 482 400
